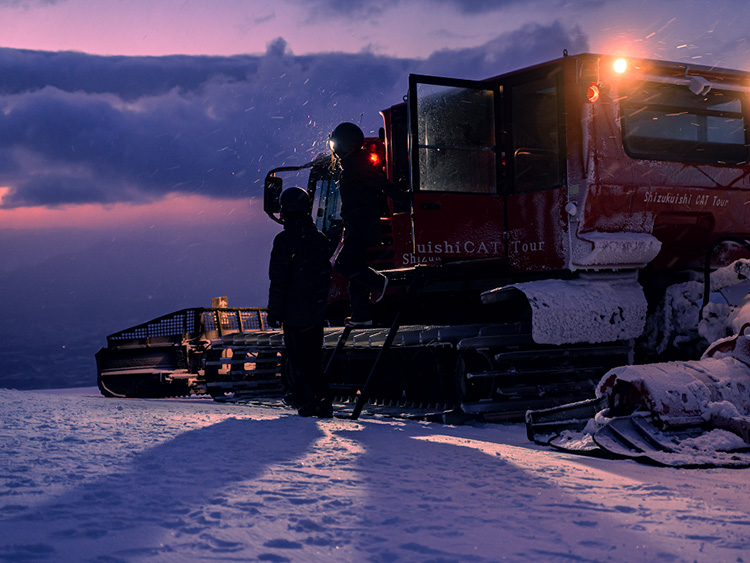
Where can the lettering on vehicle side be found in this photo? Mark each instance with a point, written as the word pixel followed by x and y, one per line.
pixel 409 259
pixel 704 200
pixel 430 252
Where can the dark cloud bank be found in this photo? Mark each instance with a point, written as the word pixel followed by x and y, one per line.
pixel 108 129
pixel 78 128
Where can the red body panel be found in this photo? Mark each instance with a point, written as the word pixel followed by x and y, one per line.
pixel 451 225
pixel 537 224
pixel 683 205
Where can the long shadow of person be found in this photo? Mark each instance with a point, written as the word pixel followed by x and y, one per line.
pixel 460 494
pixel 174 494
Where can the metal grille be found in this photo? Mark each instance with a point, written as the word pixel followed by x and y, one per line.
pixel 229 321
pixel 189 321
pixel 253 320
pixel 175 324
pixel 209 321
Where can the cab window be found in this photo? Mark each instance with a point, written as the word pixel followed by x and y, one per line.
pixel 669 122
pixel 456 139
pixel 535 134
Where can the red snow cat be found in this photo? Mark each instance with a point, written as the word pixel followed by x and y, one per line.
pixel 561 218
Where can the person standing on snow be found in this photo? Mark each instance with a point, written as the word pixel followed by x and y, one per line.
pixel 300 274
pixel 360 185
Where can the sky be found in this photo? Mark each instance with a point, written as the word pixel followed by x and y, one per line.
pixel 135 135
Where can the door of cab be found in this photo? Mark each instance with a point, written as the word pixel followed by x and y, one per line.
pixel 459 207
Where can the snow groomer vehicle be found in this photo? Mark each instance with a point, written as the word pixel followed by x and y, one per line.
pixel 556 214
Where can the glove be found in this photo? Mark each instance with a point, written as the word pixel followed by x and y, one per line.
pixel 273 322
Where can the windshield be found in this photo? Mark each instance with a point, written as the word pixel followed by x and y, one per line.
pixel 669 122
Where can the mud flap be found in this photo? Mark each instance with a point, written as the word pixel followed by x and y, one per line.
pixel 592 308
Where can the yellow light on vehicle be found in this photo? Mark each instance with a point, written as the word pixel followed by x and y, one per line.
pixel 592 93
pixel 620 66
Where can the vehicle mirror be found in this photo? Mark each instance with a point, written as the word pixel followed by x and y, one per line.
pixel 271 194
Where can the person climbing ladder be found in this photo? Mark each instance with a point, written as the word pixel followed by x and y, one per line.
pixel 360 186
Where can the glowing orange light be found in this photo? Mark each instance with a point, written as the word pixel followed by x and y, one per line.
pixel 620 66
pixel 592 94
pixel 374 156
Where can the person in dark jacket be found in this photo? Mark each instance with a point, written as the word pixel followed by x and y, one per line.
pixel 300 274
pixel 360 186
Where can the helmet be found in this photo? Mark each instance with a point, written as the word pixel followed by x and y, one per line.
pixel 294 200
pixel 346 138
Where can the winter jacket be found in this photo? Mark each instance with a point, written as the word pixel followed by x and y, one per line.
pixel 360 185
pixel 300 273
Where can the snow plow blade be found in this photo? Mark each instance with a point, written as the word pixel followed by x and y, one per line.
pixel 544 424
pixel 676 414
pixel 637 437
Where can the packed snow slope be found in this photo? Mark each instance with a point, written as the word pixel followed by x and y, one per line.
pixel 84 478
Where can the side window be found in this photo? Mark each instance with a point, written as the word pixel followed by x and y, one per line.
pixel 535 133
pixel 319 203
pixel 327 205
pixel 669 122
pixel 456 139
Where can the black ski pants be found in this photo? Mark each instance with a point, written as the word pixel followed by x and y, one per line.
pixel 304 356
pixel 352 264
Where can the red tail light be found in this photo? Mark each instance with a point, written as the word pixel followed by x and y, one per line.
pixel 592 94
pixel 374 156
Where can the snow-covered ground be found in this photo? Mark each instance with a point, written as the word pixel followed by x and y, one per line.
pixel 84 478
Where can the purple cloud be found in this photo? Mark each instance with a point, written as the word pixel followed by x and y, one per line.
pixel 89 129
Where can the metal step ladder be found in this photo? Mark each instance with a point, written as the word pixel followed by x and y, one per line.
pixel 416 285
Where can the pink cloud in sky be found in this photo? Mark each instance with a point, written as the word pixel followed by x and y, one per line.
pixel 672 30
pixel 172 210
